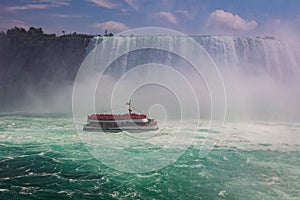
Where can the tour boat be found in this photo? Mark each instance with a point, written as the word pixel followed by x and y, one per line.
pixel 130 122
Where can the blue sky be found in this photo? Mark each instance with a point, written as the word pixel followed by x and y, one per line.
pixel 192 17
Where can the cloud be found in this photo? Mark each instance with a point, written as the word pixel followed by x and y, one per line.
pixel 66 16
pixel 168 16
pixel 227 21
pixel 7 23
pixel 133 4
pixel 27 7
pixel 183 12
pixel 111 26
pixel 39 4
pixel 53 2
pixel 104 3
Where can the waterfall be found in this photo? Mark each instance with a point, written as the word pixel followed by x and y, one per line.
pixel 261 75
pixel 253 55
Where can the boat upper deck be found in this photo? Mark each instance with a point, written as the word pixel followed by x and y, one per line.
pixel 116 117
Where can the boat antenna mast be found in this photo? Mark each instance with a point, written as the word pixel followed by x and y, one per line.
pixel 129 106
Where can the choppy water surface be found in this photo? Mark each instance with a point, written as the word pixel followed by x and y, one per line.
pixel 42 157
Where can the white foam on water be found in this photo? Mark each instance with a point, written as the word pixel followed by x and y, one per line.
pixel 262 135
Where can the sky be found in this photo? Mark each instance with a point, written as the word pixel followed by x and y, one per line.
pixel 191 17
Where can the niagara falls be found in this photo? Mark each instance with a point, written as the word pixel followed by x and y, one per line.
pixel 128 99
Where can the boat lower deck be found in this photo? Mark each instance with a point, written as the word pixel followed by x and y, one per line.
pixel 120 129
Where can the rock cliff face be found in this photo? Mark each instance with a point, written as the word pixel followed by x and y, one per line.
pixel 34 65
pixel 39 69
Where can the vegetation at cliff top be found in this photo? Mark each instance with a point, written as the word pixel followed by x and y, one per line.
pixel 32 32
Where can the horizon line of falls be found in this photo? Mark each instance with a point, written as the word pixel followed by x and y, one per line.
pixel 261 76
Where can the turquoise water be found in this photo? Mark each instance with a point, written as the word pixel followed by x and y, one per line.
pixel 43 157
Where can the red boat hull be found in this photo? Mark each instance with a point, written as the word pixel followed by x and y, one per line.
pixel 116 123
